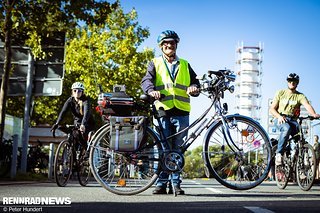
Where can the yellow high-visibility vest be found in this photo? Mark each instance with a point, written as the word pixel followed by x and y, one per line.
pixel 175 90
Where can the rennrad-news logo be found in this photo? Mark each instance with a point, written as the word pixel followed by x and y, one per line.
pixel 36 201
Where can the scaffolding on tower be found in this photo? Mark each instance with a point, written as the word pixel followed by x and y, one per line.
pixel 249 80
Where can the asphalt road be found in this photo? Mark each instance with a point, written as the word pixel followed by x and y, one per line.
pixel 201 196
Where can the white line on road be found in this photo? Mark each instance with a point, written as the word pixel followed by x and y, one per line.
pixel 256 209
pixel 210 189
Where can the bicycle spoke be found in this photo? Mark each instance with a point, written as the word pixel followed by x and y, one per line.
pixel 240 157
pixel 123 172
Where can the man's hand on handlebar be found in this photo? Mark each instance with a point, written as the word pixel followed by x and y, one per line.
pixel 193 90
pixel 155 94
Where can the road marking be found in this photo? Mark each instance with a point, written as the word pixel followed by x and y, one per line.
pixel 256 209
pixel 210 189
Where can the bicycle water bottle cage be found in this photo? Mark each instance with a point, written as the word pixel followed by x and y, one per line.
pixel 173 161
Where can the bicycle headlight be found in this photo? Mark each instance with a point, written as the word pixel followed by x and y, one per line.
pixel 231 89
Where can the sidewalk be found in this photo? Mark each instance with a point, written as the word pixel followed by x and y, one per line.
pixel 4 182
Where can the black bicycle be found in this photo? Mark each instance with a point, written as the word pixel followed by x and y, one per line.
pixel 71 157
pixel 236 149
pixel 299 161
pixel 5 157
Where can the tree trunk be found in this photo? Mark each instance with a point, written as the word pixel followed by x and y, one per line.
pixel 7 65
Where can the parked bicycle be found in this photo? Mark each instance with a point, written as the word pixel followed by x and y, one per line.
pixel 71 157
pixel 299 161
pixel 38 160
pixel 236 149
pixel 5 157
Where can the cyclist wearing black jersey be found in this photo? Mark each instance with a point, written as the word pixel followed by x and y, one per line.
pixel 79 106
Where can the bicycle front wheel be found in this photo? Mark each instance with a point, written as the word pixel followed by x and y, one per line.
pixel 237 152
pixel 84 172
pixel 125 173
pixel 306 167
pixel 283 172
pixel 63 163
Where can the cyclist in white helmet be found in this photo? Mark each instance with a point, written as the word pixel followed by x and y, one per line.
pixel 285 108
pixel 79 106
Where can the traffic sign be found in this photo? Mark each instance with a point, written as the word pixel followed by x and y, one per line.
pixel 47 74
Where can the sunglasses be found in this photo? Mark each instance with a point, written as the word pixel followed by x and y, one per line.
pixel 77 90
pixel 168 42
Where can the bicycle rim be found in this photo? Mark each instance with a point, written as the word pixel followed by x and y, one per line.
pixel 242 163
pixel 282 173
pixel 306 167
pixel 63 163
pixel 125 173
pixel 84 172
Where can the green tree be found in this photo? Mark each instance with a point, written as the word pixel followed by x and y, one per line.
pixel 98 52
pixel 31 22
pixel 194 164
pixel 105 54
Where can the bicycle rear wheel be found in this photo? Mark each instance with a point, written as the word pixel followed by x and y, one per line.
pixel 306 167
pixel 83 172
pixel 238 156
pixel 282 173
pixel 125 173
pixel 63 163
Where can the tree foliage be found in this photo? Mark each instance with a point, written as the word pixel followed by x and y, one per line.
pixel 103 49
pixel 37 20
pixel 194 164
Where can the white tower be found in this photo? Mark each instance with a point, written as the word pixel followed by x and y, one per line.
pixel 249 76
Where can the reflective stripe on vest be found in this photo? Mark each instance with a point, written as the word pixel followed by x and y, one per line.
pixel 175 91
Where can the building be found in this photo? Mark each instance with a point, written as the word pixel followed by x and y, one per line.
pixel 249 78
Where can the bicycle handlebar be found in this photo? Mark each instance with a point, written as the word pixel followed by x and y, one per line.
pixel 66 129
pixel 307 117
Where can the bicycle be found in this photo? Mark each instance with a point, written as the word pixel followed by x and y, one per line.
pixel 5 157
pixel 37 160
pixel 71 157
pixel 234 147
pixel 299 161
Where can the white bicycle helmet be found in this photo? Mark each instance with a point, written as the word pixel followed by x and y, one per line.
pixel 77 85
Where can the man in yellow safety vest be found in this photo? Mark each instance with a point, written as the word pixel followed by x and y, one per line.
pixel 172 77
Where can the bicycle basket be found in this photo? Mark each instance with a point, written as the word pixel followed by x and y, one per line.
pixel 126 132
pixel 116 103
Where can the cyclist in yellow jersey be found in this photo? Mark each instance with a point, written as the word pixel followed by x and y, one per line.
pixel 174 78
pixel 285 108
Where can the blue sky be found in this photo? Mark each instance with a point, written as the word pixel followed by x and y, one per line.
pixel 210 31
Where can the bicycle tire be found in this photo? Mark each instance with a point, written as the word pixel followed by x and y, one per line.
pixel 306 167
pixel 63 163
pixel 244 163
pixel 120 172
pixel 282 173
pixel 84 171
